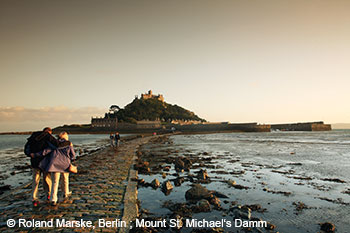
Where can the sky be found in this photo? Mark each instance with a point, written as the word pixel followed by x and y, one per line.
pixel 62 62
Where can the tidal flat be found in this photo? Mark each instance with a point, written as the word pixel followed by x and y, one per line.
pixel 295 181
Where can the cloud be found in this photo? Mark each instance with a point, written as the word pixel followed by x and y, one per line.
pixel 22 119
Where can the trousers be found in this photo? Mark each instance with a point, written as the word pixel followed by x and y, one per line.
pixel 55 176
pixel 36 180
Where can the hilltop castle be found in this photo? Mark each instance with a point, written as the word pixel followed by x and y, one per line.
pixel 150 95
pixel 111 121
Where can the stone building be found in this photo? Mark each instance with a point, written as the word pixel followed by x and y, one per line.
pixel 150 95
pixel 103 122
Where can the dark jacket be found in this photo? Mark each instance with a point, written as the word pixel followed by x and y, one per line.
pixel 37 142
pixel 59 159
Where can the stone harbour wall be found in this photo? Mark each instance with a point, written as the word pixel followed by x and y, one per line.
pixel 307 126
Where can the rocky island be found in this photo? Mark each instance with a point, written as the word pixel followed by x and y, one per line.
pixel 150 113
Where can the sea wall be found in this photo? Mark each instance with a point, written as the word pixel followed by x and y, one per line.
pixel 163 128
pixel 321 127
pixel 307 126
pixel 245 127
pixel 157 127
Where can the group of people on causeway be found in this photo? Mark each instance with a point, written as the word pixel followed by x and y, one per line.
pixel 52 158
pixel 114 139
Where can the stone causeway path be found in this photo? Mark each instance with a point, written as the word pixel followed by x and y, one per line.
pixel 100 190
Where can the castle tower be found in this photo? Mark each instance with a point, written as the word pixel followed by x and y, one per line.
pixel 149 95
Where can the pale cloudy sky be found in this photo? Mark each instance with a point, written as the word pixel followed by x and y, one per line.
pixel 239 61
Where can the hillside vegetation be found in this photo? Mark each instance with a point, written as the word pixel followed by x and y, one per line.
pixel 152 109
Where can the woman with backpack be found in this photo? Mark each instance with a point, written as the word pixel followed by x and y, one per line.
pixel 58 162
pixel 37 142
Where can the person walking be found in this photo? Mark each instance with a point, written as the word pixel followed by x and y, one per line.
pixel 117 139
pixel 37 142
pixel 111 137
pixel 58 163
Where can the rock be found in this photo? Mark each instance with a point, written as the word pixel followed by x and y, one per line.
pixel 270 226
pixel 179 164
pixel 277 192
pixel 334 180
pixel 215 202
pixel 155 183
pixel 208 159
pixel 255 207
pixel 157 168
pixel 190 177
pixel 203 206
pixel 164 175
pixel 220 195
pixel 241 212
pixel 346 191
pixel 142 167
pixel 295 164
pixel 197 192
pixel 181 209
pixel 221 172
pixel 187 164
pixel 231 182
pixel 5 187
pixel 327 227
pixel 178 181
pixel 202 175
pixel 167 187
pixel 238 186
pixel 141 182
pixel 237 172
pixel 299 206
pixel 145 213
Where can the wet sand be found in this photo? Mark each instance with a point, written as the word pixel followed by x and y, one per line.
pixel 283 194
